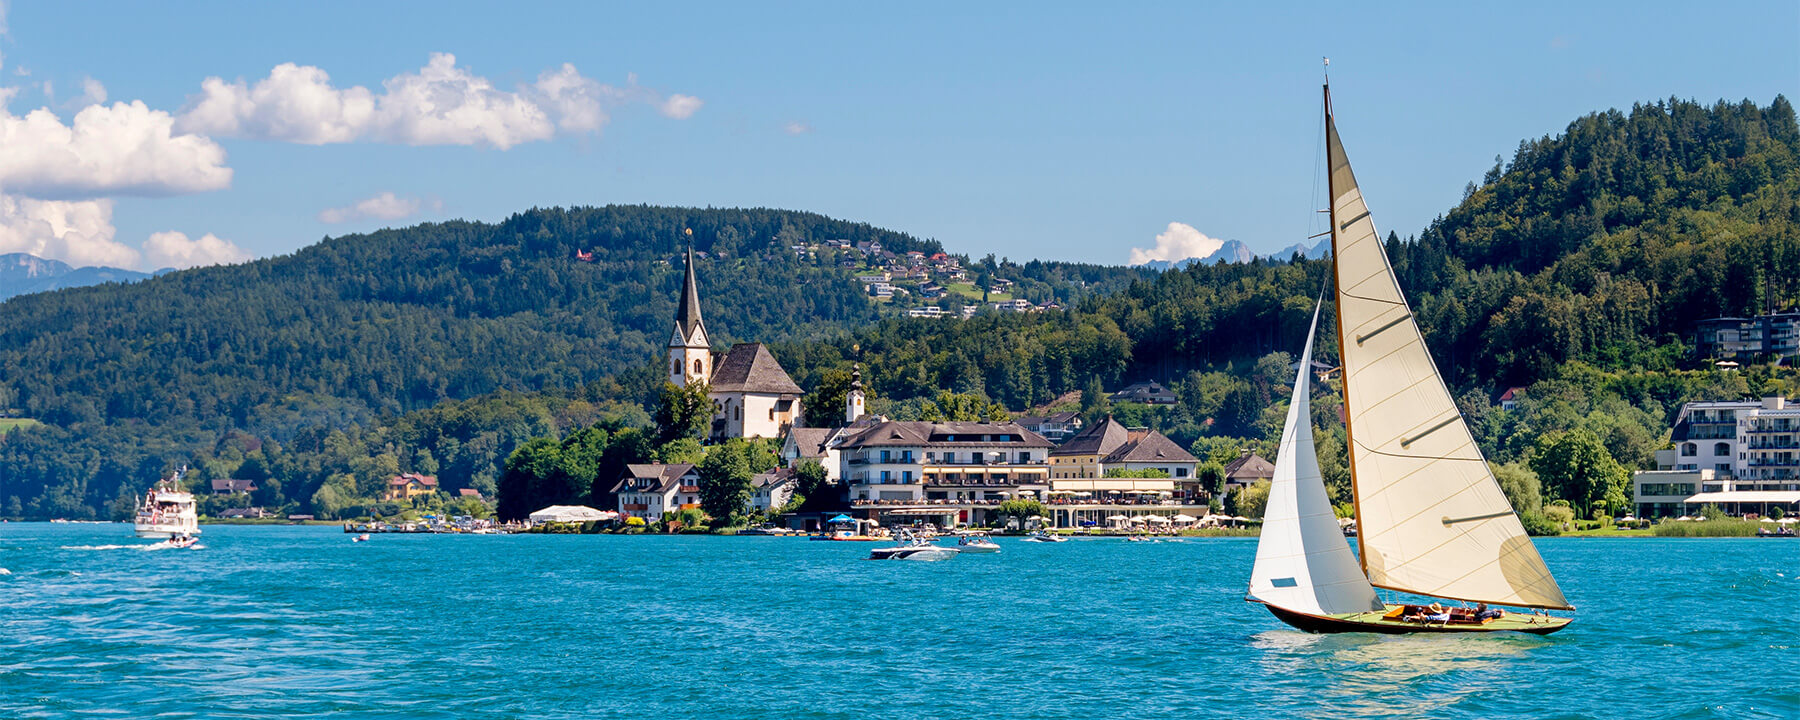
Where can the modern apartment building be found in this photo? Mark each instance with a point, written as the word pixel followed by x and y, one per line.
pixel 1730 337
pixel 1742 455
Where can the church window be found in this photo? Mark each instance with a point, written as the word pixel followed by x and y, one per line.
pixel 675 367
pixel 696 366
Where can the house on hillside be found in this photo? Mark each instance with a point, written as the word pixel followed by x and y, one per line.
pixel 232 486
pixel 1056 428
pixel 1149 392
pixel 409 486
pixel 1510 398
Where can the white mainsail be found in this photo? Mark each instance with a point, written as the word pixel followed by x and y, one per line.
pixel 1430 517
pixel 1303 562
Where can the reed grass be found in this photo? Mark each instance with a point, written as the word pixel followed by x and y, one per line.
pixel 1708 528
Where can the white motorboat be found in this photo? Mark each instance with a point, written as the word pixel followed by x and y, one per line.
pixel 1041 536
pixel 977 543
pixel 913 548
pixel 167 511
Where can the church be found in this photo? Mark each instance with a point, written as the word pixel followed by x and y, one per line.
pixel 752 396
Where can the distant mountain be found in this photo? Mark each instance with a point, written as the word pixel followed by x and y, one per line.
pixel 22 274
pixel 1234 251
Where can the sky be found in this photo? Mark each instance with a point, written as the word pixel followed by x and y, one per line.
pixel 151 135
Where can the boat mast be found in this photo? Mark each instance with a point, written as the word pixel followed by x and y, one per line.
pixel 1362 555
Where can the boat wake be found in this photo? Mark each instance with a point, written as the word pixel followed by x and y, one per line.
pixel 163 545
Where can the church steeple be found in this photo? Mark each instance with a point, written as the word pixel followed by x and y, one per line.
pixel 687 315
pixel 690 352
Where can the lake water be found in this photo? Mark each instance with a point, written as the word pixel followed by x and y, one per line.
pixel 300 622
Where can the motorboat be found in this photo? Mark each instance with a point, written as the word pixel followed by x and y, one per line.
pixel 977 543
pixel 181 542
pixel 914 548
pixel 360 538
pixel 167 511
pixel 1045 537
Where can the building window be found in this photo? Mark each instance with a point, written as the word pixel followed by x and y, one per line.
pixel 1689 450
pixel 1722 449
pixel 1181 472
pixel 771 414
pixel 697 366
pixel 674 366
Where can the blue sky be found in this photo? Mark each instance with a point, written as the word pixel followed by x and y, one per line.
pixel 1068 132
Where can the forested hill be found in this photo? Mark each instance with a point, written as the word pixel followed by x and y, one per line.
pixel 1602 244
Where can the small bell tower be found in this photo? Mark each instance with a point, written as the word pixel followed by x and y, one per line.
pixel 853 400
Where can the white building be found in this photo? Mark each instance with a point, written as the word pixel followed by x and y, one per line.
pixel 1742 455
pixel 648 491
pixel 903 467
pixel 930 311
pixel 771 490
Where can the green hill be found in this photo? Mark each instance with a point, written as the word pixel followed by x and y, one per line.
pixel 441 347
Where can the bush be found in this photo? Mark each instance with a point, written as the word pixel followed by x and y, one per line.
pixel 1707 528
pixel 1560 515
pixel 1537 524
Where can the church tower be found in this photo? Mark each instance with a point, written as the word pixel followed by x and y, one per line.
pixel 853 400
pixel 690 352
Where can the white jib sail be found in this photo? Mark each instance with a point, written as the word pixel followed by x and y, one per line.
pixel 1430 517
pixel 1303 562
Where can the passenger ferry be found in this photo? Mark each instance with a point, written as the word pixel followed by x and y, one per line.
pixel 167 511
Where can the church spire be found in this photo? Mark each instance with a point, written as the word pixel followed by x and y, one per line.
pixel 687 315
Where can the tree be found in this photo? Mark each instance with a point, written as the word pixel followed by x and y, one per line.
pixel 810 479
pixel 1120 472
pixel 683 412
pixel 1211 476
pixel 962 407
pixel 1020 509
pixel 725 480
pixel 1094 404
pixel 1520 485
pixel 1251 501
pixel 825 404
pixel 521 484
pixel 1575 466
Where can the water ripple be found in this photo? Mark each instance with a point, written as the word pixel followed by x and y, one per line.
pixel 296 622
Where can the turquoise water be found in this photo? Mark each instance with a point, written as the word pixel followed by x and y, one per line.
pixel 300 622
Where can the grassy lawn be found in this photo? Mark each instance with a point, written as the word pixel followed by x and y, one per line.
pixel 7 424
pixel 969 290
pixel 1611 532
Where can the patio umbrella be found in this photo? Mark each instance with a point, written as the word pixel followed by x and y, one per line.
pixel 1786 521
pixel 1140 518
pixel 1768 519
pixel 1117 518
pixel 1184 518
pixel 1158 519
pixel 842 519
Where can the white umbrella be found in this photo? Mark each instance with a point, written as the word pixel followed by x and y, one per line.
pixel 1184 518
pixel 1140 518
pixel 1768 519
pixel 1117 518
pixel 1787 521
pixel 1158 519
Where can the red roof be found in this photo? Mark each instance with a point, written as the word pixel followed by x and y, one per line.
pixel 1512 394
pixel 426 480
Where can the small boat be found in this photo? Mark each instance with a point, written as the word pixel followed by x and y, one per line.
pixel 977 543
pixel 1137 538
pixel 1045 537
pixel 1777 533
pixel 1431 519
pixel 360 538
pixel 167 510
pixel 181 542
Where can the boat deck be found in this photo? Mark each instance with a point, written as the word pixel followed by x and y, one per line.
pixel 1390 622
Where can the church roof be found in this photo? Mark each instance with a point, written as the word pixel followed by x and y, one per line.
pixel 749 367
pixel 687 316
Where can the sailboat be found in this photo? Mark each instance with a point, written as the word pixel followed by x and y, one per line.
pixel 1430 518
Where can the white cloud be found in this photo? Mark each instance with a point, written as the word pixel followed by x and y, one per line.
pixel 122 149
pixel 174 249
pixel 797 128
pixel 92 93
pixel 76 232
pixel 441 104
pixel 1179 242
pixel 680 107
pixel 385 206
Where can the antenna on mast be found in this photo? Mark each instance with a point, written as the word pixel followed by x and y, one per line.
pixel 1327 70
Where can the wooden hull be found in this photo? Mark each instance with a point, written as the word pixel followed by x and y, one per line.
pixel 1376 623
